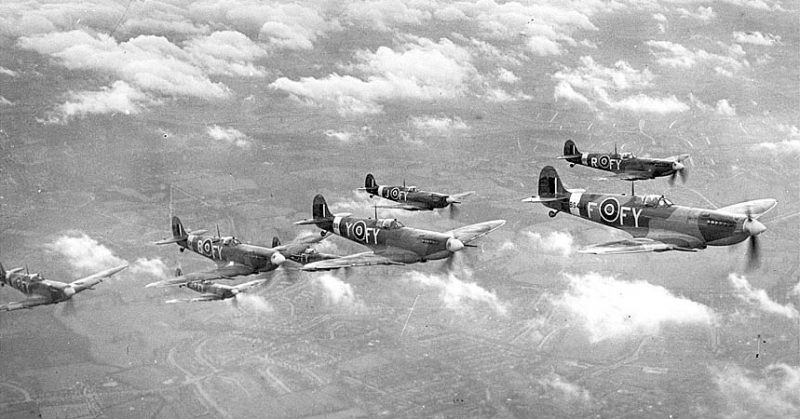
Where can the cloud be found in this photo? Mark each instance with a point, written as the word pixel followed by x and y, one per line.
pixel 725 108
pixel 786 146
pixel 555 242
pixel 360 204
pixel 383 15
pixel 149 63
pixel 670 54
pixel 431 126
pixel 253 302
pixel 421 70
pixel 229 135
pixel 337 292
pixel 702 13
pixel 227 53
pixel 344 137
pixel 569 392
pixel 756 38
pixel 591 84
pixel 84 253
pixel 506 76
pixel 155 268
pixel 119 98
pixel 5 102
pixel 772 392
pixel 456 293
pixel 760 299
pixel 8 72
pixel 609 308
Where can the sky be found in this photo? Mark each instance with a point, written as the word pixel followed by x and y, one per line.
pixel 245 109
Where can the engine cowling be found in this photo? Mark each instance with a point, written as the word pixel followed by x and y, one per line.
pixel 277 258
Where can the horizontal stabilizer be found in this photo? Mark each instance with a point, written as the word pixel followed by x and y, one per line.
pixel 172 240
pixel 540 200
pixel 311 221
pixel 572 156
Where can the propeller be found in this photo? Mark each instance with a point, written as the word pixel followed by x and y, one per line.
pixel 454 211
pixel 679 169
pixel 753 228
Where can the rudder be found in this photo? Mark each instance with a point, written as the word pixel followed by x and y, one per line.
pixel 369 182
pixel 177 228
pixel 550 184
pixel 571 150
pixel 276 241
pixel 319 209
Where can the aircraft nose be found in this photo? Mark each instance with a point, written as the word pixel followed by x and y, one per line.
pixel 753 227
pixel 677 165
pixel 454 245
pixel 277 258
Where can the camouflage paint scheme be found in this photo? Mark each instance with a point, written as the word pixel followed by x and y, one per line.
pixel 213 291
pixel 42 291
pixel 392 242
pixel 625 165
pixel 655 223
pixel 410 197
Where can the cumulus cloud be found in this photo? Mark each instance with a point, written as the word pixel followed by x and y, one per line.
pixel 670 54
pixel 567 391
pixel 337 292
pixel 5 102
pixel 228 53
pixel 724 108
pixel 759 298
pixel 8 72
pixel 591 84
pixel 254 303
pixel 702 13
pixel 229 135
pixel 455 293
pixel 155 268
pixel 610 308
pixel 119 98
pixel 772 392
pixel 150 63
pixel 786 146
pixel 431 126
pixel 756 38
pixel 422 70
pixel 383 15
pixel 360 203
pixel 506 76
pixel 555 242
pixel 84 253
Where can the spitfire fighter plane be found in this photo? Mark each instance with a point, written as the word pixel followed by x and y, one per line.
pixel 626 166
pixel 391 242
pixel 212 291
pixel 410 198
pixel 42 291
pixel 233 257
pixel 656 224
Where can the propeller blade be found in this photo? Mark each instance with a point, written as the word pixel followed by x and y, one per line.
pixel 672 179
pixel 753 254
pixel 684 174
pixel 453 211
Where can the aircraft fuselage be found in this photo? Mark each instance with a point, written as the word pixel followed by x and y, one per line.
pixel 228 249
pixel 53 291
pixel 614 163
pixel 405 195
pixel 385 236
pixel 700 227
pixel 208 287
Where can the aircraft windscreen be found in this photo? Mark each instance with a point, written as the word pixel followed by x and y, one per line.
pixel 389 224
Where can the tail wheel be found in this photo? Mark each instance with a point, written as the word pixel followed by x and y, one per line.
pixel 552 214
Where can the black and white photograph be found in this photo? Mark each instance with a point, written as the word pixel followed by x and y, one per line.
pixel 399 209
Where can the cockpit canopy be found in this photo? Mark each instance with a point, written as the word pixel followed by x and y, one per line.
pixel 389 224
pixel 37 277
pixel 654 201
pixel 626 155
pixel 230 241
pixel 411 189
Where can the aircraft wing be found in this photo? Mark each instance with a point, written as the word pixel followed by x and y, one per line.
pixel 32 301
pixel 635 175
pixel 92 280
pixel 223 272
pixel 460 196
pixel 678 158
pixel 350 261
pixel 249 284
pixel 755 208
pixel 636 245
pixel 472 232
pixel 204 297
pixel 410 206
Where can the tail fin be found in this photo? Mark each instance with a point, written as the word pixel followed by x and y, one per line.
pixel 179 234
pixel 322 215
pixel 369 182
pixel 570 151
pixel 550 185
pixel 2 273
pixel 276 241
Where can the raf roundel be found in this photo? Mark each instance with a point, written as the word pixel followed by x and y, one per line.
pixel 609 210
pixel 360 231
pixel 604 162
pixel 395 193
pixel 207 247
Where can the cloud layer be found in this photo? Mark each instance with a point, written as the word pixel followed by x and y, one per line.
pixel 457 294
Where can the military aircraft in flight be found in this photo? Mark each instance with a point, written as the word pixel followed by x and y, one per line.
pixel 213 291
pixel 626 166
pixel 656 224
pixel 391 242
pixel 42 291
pixel 233 257
pixel 410 198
